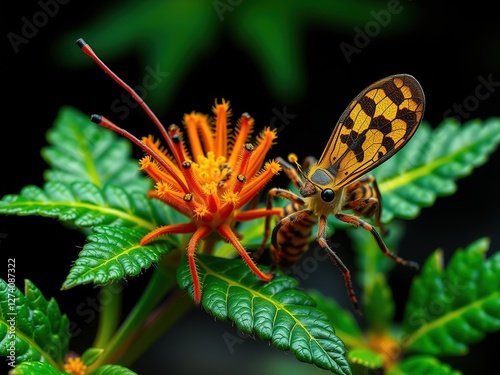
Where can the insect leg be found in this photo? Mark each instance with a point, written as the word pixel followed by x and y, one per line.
pixel 294 176
pixel 360 203
pixel 360 223
pixel 338 262
pixel 275 192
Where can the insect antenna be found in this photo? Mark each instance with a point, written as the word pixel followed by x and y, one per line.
pixel 104 122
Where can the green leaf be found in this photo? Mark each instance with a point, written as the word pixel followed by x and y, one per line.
pixel 448 309
pixel 36 368
pixel 112 370
pixel 91 355
pixel 346 327
pixel 275 310
pixel 82 151
pixel 422 365
pixel 366 358
pixel 84 205
pixel 36 325
pixel 430 163
pixel 111 254
pixel 378 305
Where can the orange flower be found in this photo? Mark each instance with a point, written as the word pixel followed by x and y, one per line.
pixel 75 366
pixel 209 184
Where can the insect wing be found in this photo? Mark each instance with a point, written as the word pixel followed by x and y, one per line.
pixel 377 123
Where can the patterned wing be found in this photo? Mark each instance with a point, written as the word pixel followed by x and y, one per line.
pixel 378 123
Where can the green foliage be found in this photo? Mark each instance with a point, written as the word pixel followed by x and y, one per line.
pixel 112 370
pixel 111 254
pixel 84 204
pixel 83 153
pixel 275 311
pixel 449 308
pixel 41 332
pixel 42 368
pixel 178 34
pixel 36 368
pixel 422 365
pixel 430 163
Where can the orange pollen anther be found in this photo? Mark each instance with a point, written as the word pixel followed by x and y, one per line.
pixel 75 366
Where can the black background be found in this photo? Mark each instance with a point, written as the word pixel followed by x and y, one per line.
pixel 447 49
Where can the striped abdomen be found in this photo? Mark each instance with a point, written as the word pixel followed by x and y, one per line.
pixel 293 239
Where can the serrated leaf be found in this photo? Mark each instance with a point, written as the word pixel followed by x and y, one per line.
pixel 36 368
pixel 346 327
pixel 81 151
pixel 448 309
pixel 111 254
pixel 422 365
pixel 41 331
pixel 429 164
pixel 275 310
pixel 112 370
pixel 85 205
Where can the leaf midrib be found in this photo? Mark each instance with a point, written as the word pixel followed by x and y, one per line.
pixel 447 318
pixel 256 294
pixel 91 207
pixel 426 169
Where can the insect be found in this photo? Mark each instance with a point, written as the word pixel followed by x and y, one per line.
pixel 375 125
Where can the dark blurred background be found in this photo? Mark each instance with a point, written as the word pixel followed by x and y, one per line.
pixel 292 64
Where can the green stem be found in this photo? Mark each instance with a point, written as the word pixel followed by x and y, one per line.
pixel 162 281
pixel 109 315
pixel 160 320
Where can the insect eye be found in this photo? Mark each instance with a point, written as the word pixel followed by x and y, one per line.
pixel 327 195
